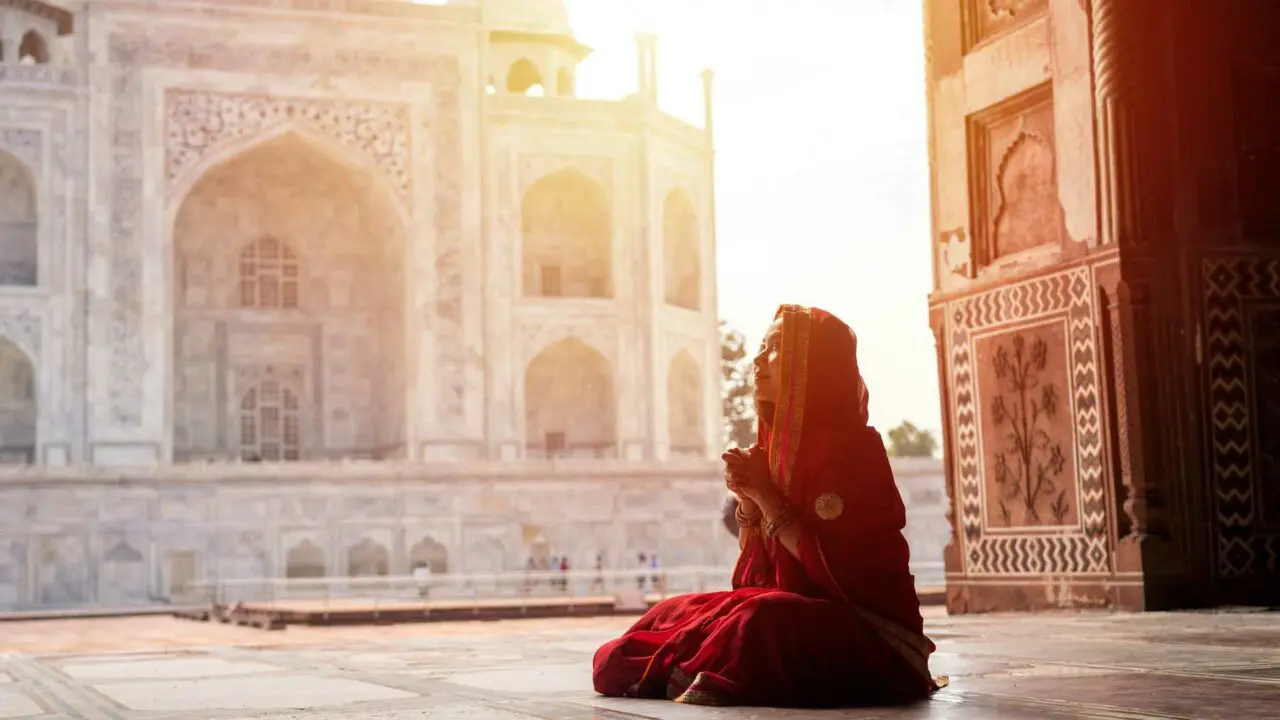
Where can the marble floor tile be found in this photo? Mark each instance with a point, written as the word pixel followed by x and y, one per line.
pixel 1053 666
pixel 14 704
pixel 293 692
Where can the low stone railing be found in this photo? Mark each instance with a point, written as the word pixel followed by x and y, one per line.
pixel 481 587
pixel 474 587
pixel 568 468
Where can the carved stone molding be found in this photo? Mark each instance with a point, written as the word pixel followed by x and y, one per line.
pixel 1014 203
pixel 198 123
pixel 987 19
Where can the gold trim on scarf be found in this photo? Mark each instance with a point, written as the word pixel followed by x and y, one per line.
pixel 788 417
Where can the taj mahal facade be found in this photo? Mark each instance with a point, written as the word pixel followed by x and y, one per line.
pixel 340 287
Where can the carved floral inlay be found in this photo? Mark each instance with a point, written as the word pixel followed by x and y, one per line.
pixel 199 122
pixel 1029 461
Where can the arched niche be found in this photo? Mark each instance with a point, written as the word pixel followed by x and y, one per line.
pixel 19 223
pixel 681 252
pixel 288 263
pixel 523 77
pixel 431 554
pixel 305 560
pixel 684 406
pixel 570 402
pixel 567 237
pixel 33 49
pixel 1030 213
pixel 368 558
pixel 19 412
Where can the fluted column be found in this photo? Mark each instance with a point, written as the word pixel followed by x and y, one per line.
pixel 1116 75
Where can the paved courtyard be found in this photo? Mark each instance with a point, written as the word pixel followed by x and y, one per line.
pixel 1194 665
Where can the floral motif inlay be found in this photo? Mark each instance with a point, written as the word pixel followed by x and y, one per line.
pixel 198 122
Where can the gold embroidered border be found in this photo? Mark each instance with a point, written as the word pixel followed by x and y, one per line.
pixel 784 441
pixel 680 689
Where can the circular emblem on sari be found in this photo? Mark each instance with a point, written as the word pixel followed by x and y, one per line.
pixel 828 506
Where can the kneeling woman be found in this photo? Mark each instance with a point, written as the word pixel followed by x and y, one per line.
pixel 823 610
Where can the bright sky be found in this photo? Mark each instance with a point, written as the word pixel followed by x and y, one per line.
pixel 822 167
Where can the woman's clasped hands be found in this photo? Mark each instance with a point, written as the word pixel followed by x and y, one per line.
pixel 746 473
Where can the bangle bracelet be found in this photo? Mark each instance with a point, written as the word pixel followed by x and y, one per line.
pixel 779 523
pixel 747 520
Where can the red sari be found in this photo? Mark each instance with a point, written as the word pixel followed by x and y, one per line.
pixel 840 625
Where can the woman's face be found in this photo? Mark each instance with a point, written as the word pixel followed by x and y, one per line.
pixel 767 366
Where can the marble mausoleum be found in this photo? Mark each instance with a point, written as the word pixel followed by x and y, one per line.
pixel 280 279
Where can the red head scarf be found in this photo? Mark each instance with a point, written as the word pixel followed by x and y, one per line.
pixel 833 467
pixel 822 408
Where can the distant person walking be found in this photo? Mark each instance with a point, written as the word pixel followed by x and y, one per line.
pixel 422 578
pixel 597 583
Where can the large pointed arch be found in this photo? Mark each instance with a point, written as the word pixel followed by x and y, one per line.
pixel 185 180
pixel 684 406
pixel 681 252
pixel 320 243
pixel 567 247
pixel 570 402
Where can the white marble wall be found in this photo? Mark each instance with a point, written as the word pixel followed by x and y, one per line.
pixel 97 539
pixel 89 539
pixel 145 99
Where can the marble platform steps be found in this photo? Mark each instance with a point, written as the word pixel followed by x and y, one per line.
pixel 494 609
pixel 278 614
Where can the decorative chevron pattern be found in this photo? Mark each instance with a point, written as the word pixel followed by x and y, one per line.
pixel 1070 294
pixel 1230 287
pixel 1037 554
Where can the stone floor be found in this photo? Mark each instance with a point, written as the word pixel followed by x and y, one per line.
pixel 1195 665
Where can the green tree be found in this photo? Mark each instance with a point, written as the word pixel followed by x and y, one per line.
pixel 907 440
pixel 735 388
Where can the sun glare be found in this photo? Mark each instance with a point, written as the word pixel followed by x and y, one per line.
pixel 821 156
